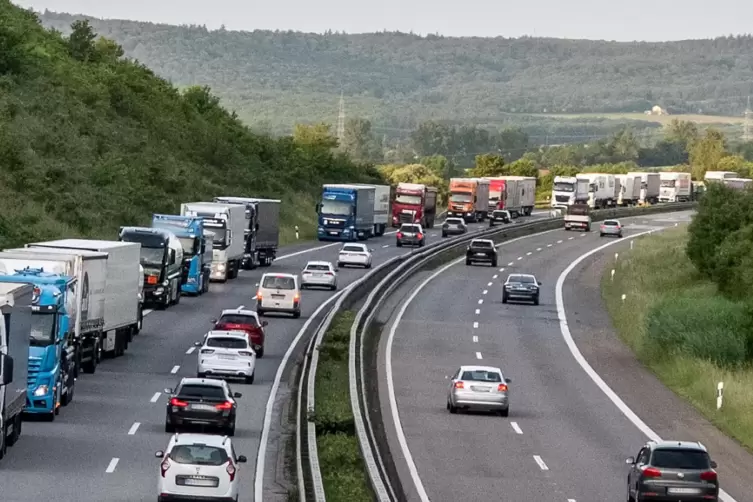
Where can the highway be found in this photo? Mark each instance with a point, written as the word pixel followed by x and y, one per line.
pixel 101 447
pixel 564 439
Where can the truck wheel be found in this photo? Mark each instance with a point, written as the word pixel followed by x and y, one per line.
pixel 467 261
pixel 3 444
pixel 177 293
pixel 16 434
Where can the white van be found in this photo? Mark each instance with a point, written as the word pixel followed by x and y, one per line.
pixel 279 293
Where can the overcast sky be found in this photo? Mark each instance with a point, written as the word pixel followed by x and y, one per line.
pixel 625 20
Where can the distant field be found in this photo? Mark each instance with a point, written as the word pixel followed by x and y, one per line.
pixel 659 119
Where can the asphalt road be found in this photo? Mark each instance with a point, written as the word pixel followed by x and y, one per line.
pixel 564 439
pixel 101 447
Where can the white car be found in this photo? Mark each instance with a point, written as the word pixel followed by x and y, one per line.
pixel 279 293
pixel 226 354
pixel 199 467
pixel 355 254
pixel 319 273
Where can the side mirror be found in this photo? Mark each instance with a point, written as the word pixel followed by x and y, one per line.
pixel 6 369
pixel 214 321
pixel 371 250
pixel 172 257
pixel 159 454
pixel 237 394
pixel 256 227
pixel 540 284
pixel 446 377
pixel 714 465
pixel 337 269
pixel 242 459
pixel 318 207
pixel 264 324
pixel 257 284
pixel 508 380
pixel 197 344
pixel 168 391
pixel 630 460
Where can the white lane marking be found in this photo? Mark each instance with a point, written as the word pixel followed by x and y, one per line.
pixel 541 463
pixel 582 235
pixel 480 302
pixel 510 264
pixel 190 350
pixel 489 284
pixel 478 355
pixel 528 254
pixel 475 339
pixel 484 291
pixel 134 428
pixel 147 312
pixel 494 277
pixel 520 257
pixel 516 427
pixel 612 395
pixel 478 311
pixel 548 245
pixel 317 248
pixel 559 242
pixel 155 397
pixel 175 369
pixel 538 249
pixel 261 455
pixel 570 238
pixel 240 307
pixel 385 246
pixel 475 324
pixel 571 500
pixel 112 465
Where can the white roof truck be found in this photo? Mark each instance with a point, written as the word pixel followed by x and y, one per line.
pixel 738 183
pixel 569 190
pixel 228 222
pixel 602 189
pixel 15 334
pixel 650 186
pixel 262 230
pixel 675 187
pixel 382 212
pixel 719 175
pixel 630 189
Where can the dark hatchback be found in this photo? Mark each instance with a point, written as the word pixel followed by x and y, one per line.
pixel 246 321
pixel 410 235
pixel 202 402
pixel 499 216
pixel 481 250
pixel 523 287
pixel 454 226
pixel 672 471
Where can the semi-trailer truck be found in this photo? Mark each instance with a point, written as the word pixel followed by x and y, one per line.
pixel 382 213
pixel 15 336
pixel 602 189
pixel 569 190
pixel 346 213
pixel 526 188
pixel 228 222
pixel 469 199
pixel 262 233
pixel 650 186
pixel 504 194
pixel 675 187
pixel 414 203
pixel 719 175
pixel 197 255
pixel 630 189
pixel 161 256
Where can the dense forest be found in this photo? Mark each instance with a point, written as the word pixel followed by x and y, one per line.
pixel 90 141
pixel 275 79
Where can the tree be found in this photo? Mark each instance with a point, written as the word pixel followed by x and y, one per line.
pixel 735 163
pixel 488 165
pixel 107 50
pixel 706 153
pixel 681 132
pixel 441 165
pixel 359 142
pixel 317 135
pixel 81 41
pixel 523 167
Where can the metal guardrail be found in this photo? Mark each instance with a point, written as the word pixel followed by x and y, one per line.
pixel 377 286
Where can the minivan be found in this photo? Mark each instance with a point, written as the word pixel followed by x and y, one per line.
pixel 279 293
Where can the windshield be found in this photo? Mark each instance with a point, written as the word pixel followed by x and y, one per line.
pixel 42 329
pixel 668 183
pixel 336 207
pixel 461 197
pixel 354 249
pixel 190 246
pixel 248 320
pixel 481 376
pixel 564 187
pixel 524 279
pixel 414 200
pixel 198 454
pixel 226 342
pixel 152 256
pixel 278 282
pixel 680 459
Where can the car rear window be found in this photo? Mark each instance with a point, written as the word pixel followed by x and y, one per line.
pixel 198 454
pixel 609 223
pixel 353 249
pixel 227 342
pixel 278 282
pixel 204 391
pixel 453 221
pixel 680 459
pixel 409 228
pixel 521 278
pixel 481 376
pixel 499 214
pixel 239 319
pixel 481 244
pixel 318 267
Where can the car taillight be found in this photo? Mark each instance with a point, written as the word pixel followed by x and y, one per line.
pixel 329 273
pixel 502 387
pixel 244 353
pixel 152 279
pixel 399 235
pixel 296 297
pixel 164 466
pixel 651 472
pixel 420 235
pixel 227 405
pixel 178 403
pixel 459 385
pixel 258 295
pixel 230 470
pixel 207 351
pixel 708 476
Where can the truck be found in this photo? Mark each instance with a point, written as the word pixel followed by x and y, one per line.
pixel 526 193
pixel 262 233
pixel 161 256
pixel 578 217
pixel 414 203
pixel 675 187
pixel 504 194
pixel 469 199
pixel 15 337
pixel 719 175
pixel 650 186
pixel 630 189
pixel 569 190
pixel 346 213
pixel 228 222
pixel 197 256
pixel 67 320
pixel 382 213
pixel 738 183
pixel 602 189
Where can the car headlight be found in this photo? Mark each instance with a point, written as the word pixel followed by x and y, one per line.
pixel 42 390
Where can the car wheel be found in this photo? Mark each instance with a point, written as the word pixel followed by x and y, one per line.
pixel 296 315
pixel 260 353
pixel 452 409
pixel 630 498
pixel 333 288
pixel 169 428
pixel 494 263
pixel 467 261
pixel 505 412
pixel 250 380
pixel 230 431
pixel 399 244
pixel 444 234
pixel 536 300
pixel 504 298
pixel 339 265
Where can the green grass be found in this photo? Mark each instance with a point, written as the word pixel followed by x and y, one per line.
pixel 342 467
pixel 683 331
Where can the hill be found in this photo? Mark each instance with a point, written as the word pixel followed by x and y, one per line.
pixel 89 142
pixel 274 79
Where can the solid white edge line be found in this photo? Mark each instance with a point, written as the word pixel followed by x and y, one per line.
pixel 516 427
pixel 541 463
pixel 112 465
pixel 388 369
pixel 262 452
pixel 134 428
pixel 155 397
pixel 565 330
pixel 175 369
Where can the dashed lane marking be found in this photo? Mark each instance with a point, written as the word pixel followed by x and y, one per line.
pixel 516 427
pixel 478 311
pixel 155 397
pixel 475 324
pixel 478 355
pixel 541 463
pixel 484 291
pixel 175 369
pixel 480 302
pixel 528 254
pixel 134 428
pixel 475 339
pixel 112 465
pixel 520 257
pixel 190 350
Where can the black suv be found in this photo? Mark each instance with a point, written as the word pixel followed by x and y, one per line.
pixel 499 215
pixel 672 471
pixel 482 250
pixel 203 402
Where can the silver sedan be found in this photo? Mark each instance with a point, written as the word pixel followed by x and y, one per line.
pixel 481 388
pixel 319 273
pixel 610 227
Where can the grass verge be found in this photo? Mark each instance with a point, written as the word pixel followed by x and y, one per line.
pixel 683 330
pixel 342 467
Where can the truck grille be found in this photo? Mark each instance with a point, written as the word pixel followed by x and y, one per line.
pixel 405 218
pixel 562 198
pixel 334 223
pixel 34 365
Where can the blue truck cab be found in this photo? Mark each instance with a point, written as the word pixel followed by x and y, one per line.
pixel 197 256
pixel 52 363
pixel 346 213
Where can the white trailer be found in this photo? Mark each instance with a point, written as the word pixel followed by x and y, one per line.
pixel 569 190
pixel 15 333
pixel 675 187
pixel 228 222
pixel 719 175
pixel 602 189
pixel 526 187
pixel 382 212
pixel 650 186
pixel 630 189
pixel 738 183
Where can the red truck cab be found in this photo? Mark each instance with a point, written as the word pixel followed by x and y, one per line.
pixel 246 321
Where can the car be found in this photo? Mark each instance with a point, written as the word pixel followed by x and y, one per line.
pixel 523 287
pixel 481 250
pixel 454 226
pixel 672 470
pixel 244 320
pixel 205 402
pixel 355 254
pixel 610 227
pixel 280 293
pixel 320 274
pixel 199 467
pixel 226 354
pixel 499 216
pixel 410 234
pixel 481 388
